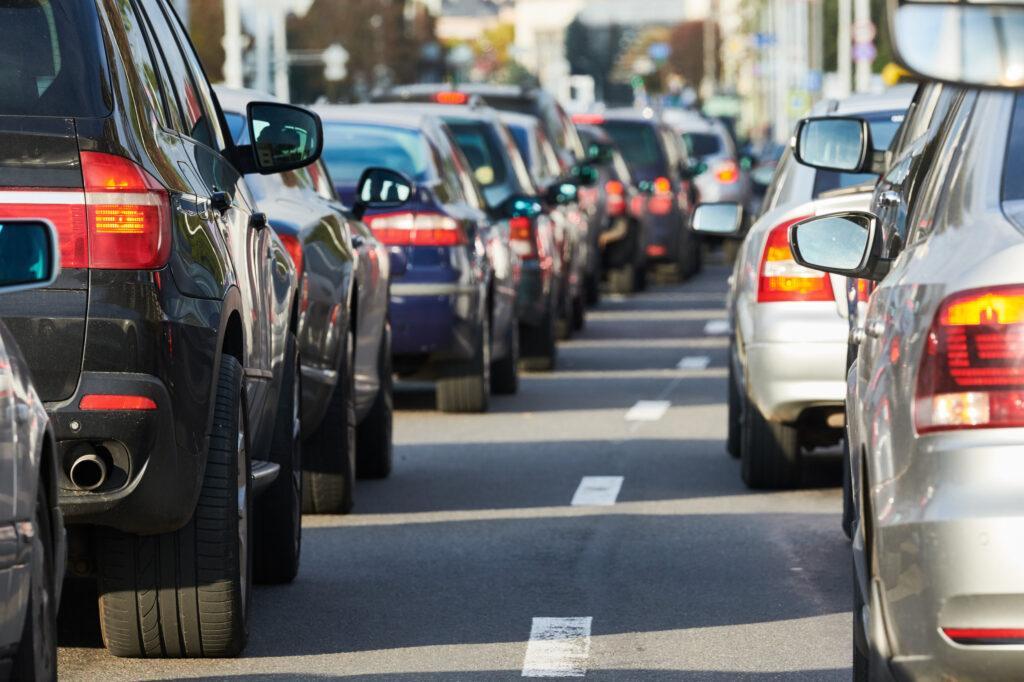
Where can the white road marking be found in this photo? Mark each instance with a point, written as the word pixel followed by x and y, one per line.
pixel 597 491
pixel 694 362
pixel 648 410
pixel 558 647
pixel 716 327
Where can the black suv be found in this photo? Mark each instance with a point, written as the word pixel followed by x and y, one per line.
pixel 165 351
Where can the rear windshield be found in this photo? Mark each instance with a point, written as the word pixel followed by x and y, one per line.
pixel 50 59
pixel 351 148
pixel 1013 173
pixel 703 144
pixel 638 143
pixel 479 144
pixel 883 129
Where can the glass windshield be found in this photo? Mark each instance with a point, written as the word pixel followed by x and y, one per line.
pixel 638 143
pixel 351 148
pixel 702 144
pixel 883 130
pixel 479 144
pixel 50 60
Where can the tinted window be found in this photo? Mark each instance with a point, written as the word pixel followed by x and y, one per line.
pixel 351 148
pixel 702 144
pixel 1013 174
pixel 883 129
pixel 236 127
pixel 480 146
pixel 50 61
pixel 142 61
pixel 638 143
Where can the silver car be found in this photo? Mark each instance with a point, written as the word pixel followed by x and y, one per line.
pixel 32 548
pixel 789 341
pixel 709 143
pixel 935 397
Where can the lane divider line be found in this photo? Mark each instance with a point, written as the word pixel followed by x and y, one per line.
pixel 595 491
pixel 558 647
pixel 716 327
pixel 694 362
pixel 648 410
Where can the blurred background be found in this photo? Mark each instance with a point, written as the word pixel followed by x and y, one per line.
pixel 759 65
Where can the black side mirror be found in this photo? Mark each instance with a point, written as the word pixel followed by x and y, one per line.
pixel 835 143
pixel 520 206
pixel 381 188
pixel 561 192
pixel 585 175
pixel 29 256
pixel 284 137
pixel 847 244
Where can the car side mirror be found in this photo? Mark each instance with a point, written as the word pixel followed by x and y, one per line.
pixel 381 188
pixel 971 44
pixel 692 169
pixel 585 175
pixel 718 220
pixel 520 206
pixel 834 143
pixel 29 255
pixel 561 192
pixel 842 243
pixel 284 137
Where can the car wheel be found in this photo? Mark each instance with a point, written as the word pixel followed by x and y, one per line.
pixel 848 510
pixel 329 455
pixel 505 371
pixel 186 593
pixel 374 443
pixel 277 516
pixel 769 451
pixel 540 350
pixel 622 280
pixel 36 657
pixel 469 391
pixel 593 288
pixel 579 314
pixel 733 443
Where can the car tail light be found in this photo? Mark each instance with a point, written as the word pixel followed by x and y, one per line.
pixel 656 250
pixel 972 369
pixel 661 200
pixel 65 208
pixel 616 201
pixel 451 98
pixel 864 289
pixel 588 119
pixel 727 172
pixel 116 402
pixel 128 214
pixel 782 278
pixel 636 206
pixel 985 635
pixel 294 248
pixel 416 229
pixel 523 238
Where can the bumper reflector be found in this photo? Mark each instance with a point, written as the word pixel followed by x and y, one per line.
pixel 116 402
pixel 985 635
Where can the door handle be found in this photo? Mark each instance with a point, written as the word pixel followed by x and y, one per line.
pixel 889 198
pixel 857 336
pixel 874 328
pixel 258 220
pixel 220 201
pixel 358 241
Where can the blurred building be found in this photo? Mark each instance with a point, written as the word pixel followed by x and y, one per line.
pixel 468 20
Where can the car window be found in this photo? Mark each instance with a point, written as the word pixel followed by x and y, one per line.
pixel 142 62
pixel 550 166
pixel 172 115
pixel 883 128
pixel 621 168
pixel 351 148
pixel 638 143
pixel 197 115
pixel 519 169
pixel 480 145
pixel 454 192
pixel 702 145
pixel 51 63
pixel 780 181
pixel 322 183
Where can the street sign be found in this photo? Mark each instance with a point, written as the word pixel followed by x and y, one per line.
pixel 863 31
pixel 864 52
pixel 335 60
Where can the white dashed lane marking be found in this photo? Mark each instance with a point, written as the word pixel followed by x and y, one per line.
pixel 648 410
pixel 716 327
pixel 597 491
pixel 694 362
pixel 558 647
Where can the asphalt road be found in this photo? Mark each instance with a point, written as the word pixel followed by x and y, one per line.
pixel 449 568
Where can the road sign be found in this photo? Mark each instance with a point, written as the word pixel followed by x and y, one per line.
pixel 863 31
pixel 864 52
pixel 335 63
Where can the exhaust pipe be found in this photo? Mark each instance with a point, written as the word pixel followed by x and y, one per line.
pixel 88 472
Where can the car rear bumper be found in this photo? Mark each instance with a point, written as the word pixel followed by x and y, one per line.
pixel 434 323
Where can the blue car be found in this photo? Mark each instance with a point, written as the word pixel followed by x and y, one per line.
pixel 448 300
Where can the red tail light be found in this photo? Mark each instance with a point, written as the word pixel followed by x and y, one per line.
pixel 294 248
pixel 588 119
pixel 128 214
pixel 636 206
pixel 523 238
pixel 616 201
pixel 864 289
pixel 972 368
pixel 782 278
pixel 65 208
pixel 661 200
pixel 985 635
pixel 727 172
pixel 451 98
pixel 116 402
pixel 416 229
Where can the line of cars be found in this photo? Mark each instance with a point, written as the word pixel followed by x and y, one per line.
pixel 923 379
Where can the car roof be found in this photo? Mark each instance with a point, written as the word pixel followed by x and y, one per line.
pixel 895 98
pixel 483 89
pixel 236 100
pixel 691 121
pixel 475 113
pixel 647 115
pixel 379 114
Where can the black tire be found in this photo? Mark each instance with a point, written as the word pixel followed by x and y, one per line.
pixel 277 516
pixel 733 443
pixel 374 442
pixel 622 280
pixel 579 314
pixel 861 657
pixel 539 348
pixel 468 389
pixel 640 277
pixel 505 371
pixel 329 455
pixel 848 507
pixel 593 289
pixel 770 451
pixel 36 657
pixel 186 593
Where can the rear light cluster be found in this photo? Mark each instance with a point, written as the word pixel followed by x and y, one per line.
pixel 661 200
pixel 522 237
pixel 616 198
pixel 980 636
pixel 972 368
pixel 782 278
pixel 97 401
pixel 294 248
pixel 864 289
pixel 416 229
pixel 727 172
pixel 124 222
pixel 451 98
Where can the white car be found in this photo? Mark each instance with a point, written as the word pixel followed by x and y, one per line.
pixel 789 323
